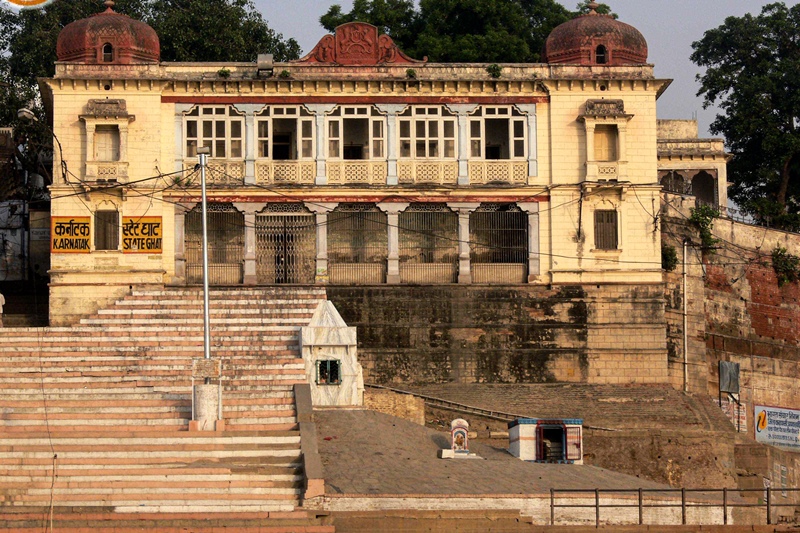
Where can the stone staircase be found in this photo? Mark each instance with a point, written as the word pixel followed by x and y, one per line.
pixel 94 419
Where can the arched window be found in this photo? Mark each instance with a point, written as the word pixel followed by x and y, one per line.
pixel 108 53
pixel 601 55
pixel 704 189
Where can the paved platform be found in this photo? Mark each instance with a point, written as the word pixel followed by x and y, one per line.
pixel 370 453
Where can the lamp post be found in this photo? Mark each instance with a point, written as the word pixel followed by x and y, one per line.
pixel 206 398
pixel 203 153
pixel 27 114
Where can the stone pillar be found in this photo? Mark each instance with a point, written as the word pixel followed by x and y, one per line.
pixel 180 140
pixel 392 211
pixel 534 254
pixel 622 160
pixel 463 210
pixel 463 111
pixel 180 211
pixel 391 110
pixel 533 151
pixel 249 133
pixel 319 111
pixel 250 210
pixel 321 211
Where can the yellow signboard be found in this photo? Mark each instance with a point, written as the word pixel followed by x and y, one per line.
pixel 70 235
pixel 141 235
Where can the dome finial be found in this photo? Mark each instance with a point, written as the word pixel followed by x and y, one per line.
pixel 109 5
pixel 593 7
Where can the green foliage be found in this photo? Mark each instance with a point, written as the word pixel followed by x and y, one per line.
pixel 752 71
pixel 494 70
pixel 669 257
pixel 702 218
pixel 603 9
pixel 224 73
pixel 285 74
pixel 411 74
pixel 483 31
pixel 189 30
pixel 786 266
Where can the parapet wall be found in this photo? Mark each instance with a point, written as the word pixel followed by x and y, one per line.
pixel 507 334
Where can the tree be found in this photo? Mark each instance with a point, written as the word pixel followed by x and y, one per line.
pixel 486 31
pixel 221 30
pixel 753 73
pixel 215 30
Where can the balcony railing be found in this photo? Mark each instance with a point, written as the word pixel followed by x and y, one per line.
pixel 436 172
pixel 357 172
pixel 107 171
pixel 484 172
pixel 285 172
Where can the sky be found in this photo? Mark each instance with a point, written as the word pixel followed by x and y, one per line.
pixel 670 28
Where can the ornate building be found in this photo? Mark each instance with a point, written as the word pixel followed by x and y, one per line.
pixel 356 165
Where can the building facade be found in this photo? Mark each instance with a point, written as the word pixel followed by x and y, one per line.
pixel 357 165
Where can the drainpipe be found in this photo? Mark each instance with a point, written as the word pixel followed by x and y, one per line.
pixel 685 321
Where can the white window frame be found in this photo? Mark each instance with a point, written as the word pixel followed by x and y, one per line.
pixel 516 119
pixel 334 126
pixel 433 121
pixel 305 140
pixel 222 143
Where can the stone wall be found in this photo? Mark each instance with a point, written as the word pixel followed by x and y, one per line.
pixel 507 334
pixel 737 311
pixel 405 406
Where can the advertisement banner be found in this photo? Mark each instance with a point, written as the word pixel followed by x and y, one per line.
pixel 141 235
pixel 70 235
pixel 778 427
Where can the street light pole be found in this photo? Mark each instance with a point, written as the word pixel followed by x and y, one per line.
pixel 202 154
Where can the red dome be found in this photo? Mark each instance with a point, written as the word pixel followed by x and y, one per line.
pixel 108 38
pixel 595 39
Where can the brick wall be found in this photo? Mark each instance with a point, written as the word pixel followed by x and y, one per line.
pixel 508 334
pixel 403 406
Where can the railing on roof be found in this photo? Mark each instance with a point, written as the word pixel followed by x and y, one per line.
pixel 705 501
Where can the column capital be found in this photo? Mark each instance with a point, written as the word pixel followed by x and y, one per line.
pixel 183 208
pixel 393 208
pixel 320 109
pixel 528 109
pixel 462 109
pixel 529 207
pixel 463 207
pixel 249 208
pixel 321 208
pixel 392 109
pixel 249 109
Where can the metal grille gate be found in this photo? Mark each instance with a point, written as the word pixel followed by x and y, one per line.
pixel 225 245
pixel 285 245
pixel 428 244
pixel 498 235
pixel 357 244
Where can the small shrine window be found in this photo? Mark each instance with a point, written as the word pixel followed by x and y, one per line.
pixel 328 372
pixel 108 53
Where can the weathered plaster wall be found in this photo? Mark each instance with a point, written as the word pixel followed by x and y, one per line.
pixel 737 311
pixel 517 334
